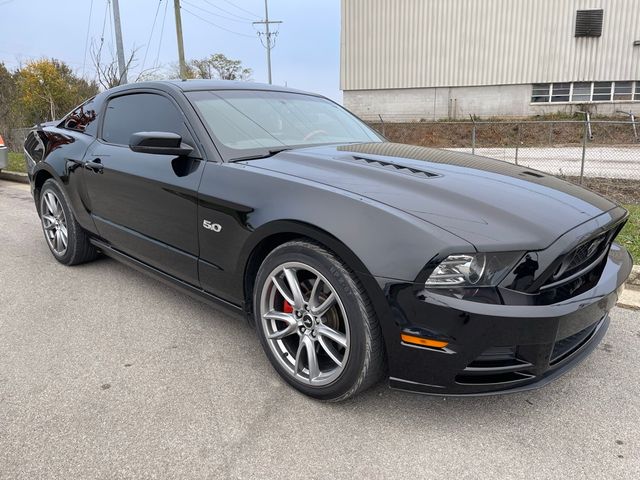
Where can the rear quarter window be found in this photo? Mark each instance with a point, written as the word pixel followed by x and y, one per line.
pixel 83 118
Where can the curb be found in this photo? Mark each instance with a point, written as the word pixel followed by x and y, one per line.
pixel 629 298
pixel 14 177
pixel 634 278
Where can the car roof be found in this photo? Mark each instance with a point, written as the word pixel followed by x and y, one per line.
pixel 195 85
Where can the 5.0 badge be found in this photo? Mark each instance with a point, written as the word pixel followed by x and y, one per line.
pixel 216 227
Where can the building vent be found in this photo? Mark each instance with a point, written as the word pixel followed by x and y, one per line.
pixel 589 23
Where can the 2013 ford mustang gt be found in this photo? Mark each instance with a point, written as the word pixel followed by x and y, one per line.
pixel 355 258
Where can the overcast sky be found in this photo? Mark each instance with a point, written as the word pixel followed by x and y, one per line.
pixel 306 56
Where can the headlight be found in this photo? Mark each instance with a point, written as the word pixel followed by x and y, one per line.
pixel 473 270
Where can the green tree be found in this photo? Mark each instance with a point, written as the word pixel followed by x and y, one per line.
pixel 48 88
pixel 218 66
pixel 8 96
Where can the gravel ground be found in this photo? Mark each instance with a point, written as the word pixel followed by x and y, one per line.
pixel 106 373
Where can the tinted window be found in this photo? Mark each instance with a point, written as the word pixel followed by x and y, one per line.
pixel 540 92
pixel 83 118
pixel 560 92
pixel 141 112
pixel 601 91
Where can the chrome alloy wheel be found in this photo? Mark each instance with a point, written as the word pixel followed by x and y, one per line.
pixel 54 223
pixel 305 323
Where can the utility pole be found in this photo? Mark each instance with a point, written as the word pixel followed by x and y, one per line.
pixel 122 67
pixel 269 43
pixel 183 64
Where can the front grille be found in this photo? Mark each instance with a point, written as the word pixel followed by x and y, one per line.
pixel 574 269
pixel 581 256
pixel 568 345
pixel 586 251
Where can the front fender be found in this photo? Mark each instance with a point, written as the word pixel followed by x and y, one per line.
pixel 250 204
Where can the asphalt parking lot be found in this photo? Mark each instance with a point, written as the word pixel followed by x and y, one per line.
pixel 106 373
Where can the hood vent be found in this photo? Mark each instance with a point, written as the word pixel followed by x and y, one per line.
pixel 395 167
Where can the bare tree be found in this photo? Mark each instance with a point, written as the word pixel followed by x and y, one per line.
pixel 220 67
pixel 107 71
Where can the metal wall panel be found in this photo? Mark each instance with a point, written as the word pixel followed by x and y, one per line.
pixel 439 43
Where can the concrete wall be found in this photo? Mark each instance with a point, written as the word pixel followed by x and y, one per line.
pixel 411 104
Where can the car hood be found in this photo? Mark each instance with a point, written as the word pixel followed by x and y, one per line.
pixel 490 203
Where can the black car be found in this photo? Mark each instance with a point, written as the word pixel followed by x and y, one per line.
pixel 354 257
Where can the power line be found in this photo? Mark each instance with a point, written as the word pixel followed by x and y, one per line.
pixel 86 40
pixel 240 8
pixel 166 5
pixel 104 27
pixel 113 40
pixel 153 27
pixel 104 21
pixel 230 13
pixel 212 13
pixel 216 25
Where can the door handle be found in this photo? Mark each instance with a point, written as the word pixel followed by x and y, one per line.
pixel 73 164
pixel 95 166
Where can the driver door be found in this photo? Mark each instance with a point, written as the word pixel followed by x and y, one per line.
pixel 143 204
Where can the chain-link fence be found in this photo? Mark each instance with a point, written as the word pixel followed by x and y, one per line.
pixel 15 138
pixel 601 155
pixel 574 149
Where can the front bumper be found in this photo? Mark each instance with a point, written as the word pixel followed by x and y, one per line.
pixel 497 348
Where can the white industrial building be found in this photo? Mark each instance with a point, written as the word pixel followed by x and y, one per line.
pixel 433 59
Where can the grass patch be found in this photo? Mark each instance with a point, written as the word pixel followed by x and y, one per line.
pixel 16 163
pixel 630 234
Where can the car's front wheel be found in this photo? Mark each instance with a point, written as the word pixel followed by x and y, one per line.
pixel 66 239
pixel 316 323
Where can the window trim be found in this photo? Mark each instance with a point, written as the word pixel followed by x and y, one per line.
pixel 635 93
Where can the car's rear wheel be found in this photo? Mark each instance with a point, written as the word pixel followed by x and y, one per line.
pixel 66 239
pixel 316 323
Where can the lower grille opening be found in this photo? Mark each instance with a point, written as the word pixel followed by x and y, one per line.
pixel 566 346
pixel 496 365
pixel 494 357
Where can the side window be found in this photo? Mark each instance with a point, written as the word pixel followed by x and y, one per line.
pixel 142 112
pixel 82 119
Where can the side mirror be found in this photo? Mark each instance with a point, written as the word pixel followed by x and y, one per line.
pixel 160 143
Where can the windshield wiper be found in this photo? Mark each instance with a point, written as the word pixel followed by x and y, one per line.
pixel 267 154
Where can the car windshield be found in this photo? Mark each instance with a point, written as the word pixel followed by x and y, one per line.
pixel 252 123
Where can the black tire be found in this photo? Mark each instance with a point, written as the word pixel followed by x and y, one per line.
pixel 365 363
pixel 78 249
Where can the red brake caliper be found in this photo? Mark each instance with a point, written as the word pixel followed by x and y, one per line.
pixel 286 307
